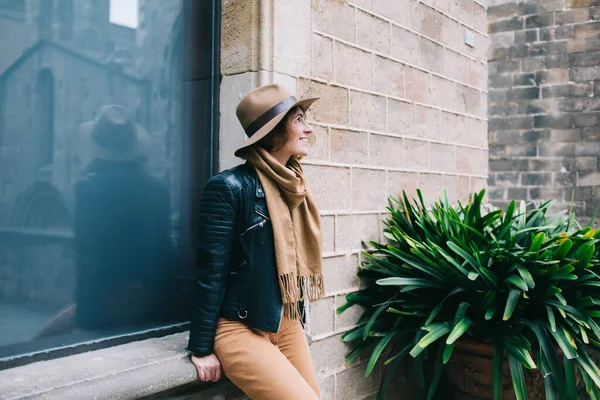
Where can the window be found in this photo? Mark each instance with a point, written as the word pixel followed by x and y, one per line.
pixel 101 161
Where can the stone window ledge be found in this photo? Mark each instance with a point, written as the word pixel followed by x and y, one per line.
pixel 128 371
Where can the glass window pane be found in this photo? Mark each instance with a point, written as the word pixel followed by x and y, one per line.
pixel 92 168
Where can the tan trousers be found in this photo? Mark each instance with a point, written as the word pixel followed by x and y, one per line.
pixel 267 366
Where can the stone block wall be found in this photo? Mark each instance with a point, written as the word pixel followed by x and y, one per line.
pixel 544 102
pixel 403 105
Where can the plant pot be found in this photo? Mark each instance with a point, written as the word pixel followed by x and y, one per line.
pixel 469 374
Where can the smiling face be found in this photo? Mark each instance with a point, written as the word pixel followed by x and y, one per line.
pixel 292 137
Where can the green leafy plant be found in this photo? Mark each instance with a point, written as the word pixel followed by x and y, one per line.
pixel 520 280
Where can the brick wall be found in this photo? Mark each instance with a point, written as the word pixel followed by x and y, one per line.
pixel 544 102
pixel 403 105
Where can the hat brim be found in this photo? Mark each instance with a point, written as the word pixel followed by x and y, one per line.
pixel 269 126
pixel 88 147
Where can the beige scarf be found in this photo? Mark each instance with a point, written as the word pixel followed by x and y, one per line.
pixel 296 228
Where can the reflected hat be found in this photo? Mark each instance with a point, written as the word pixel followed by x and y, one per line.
pixel 263 108
pixel 114 136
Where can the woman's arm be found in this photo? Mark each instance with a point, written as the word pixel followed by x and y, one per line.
pixel 216 232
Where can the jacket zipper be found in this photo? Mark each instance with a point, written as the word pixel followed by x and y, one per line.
pixel 260 224
pixel 235 270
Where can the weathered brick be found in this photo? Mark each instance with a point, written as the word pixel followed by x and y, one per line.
pixel 333 195
pixel 502 109
pixel 507 179
pixel 322 315
pixel 534 106
pixel 477 132
pixel 499 54
pixel 544 165
pixel 339 273
pixel 552 5
pixel 418 85
pixel 328 230
pixel 579 3
pixel 454 128
pixel 389 77
pixel 513 122
pixel 396 10
pixel 595 13
pixel 509 66
pixel 529 7
pixel 511 24
pixel 427 123
pixel 353 67
pixel 505 137
pixel 459 9
pixel 402 181
pixel 502 11
pixel 588 30
pixel 401 118
pixel 578 104
pixel 565 179
pixel 536 179
pixel 527 79
pixel 443 157
pixel 431 56
pixel 425 20
pixel 431 186
pixel 587 148
pixel 368 189
pixel 348 146
pixel 367 111
pixel 445 91
pixel 524 93
pixel 583 45
pixel 351 383
pixel 565 135
pixel 585 119
pixel 552 76
pixel 385 151
pixel 478 74
pixel 517 193
pixel 526 36
pixel 450 185
pixel 416 154
pixel 322 60
pixel 463 189
pixel 448 32
pixel 500 81
pixel 542 49
pixel 557 61
pixel 328 354
pixel 567 90
pixel 480 19
pixel 456 66
pixel 516 52
pixel 532 64
pixel 556 149
pixel 405 45
pixel 373 32
pixel 327 15
pixel 320 149
pixel 537 21
pixel 522 150
pixel 468 100
pixel 552 121
pixel 558 33
pixel 586 164
pixel 584 59
pixel 584 73
pixel 467 162
pixel 334 102
pixel 352 230
pixel 497 95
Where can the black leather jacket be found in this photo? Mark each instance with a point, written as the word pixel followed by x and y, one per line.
pixel 236 272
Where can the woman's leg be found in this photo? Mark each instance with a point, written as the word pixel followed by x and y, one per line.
pixel 255 365
pixel 292 342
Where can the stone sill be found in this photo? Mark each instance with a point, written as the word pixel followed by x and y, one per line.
pixel 128 371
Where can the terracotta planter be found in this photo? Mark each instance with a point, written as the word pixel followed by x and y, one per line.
pixel 469 374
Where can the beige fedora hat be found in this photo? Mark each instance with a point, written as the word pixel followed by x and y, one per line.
pixel 263 108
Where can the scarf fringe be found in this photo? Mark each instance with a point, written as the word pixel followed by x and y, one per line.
pixel 310 286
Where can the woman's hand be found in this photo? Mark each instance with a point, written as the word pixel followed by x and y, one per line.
pixel 209 367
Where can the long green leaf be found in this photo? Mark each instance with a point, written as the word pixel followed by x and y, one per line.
pixel 517 282
pixel 377 352
pixel 372 320
pixel 518 379
pixel 459 330
pixel 526 275
pixel 390 373
pixel 434 313
pixel 437 372
pixel 589 367
pixel 570 378
pixel 434 334
pixel 511 303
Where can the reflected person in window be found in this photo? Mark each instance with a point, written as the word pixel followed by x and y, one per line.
pixel 121 227
pixel 259 252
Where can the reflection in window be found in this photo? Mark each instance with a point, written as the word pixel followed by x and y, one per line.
pixel 45 117
pixel 65 17
pixel 91 174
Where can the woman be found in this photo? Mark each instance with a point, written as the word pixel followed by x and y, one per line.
pixel 259 257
